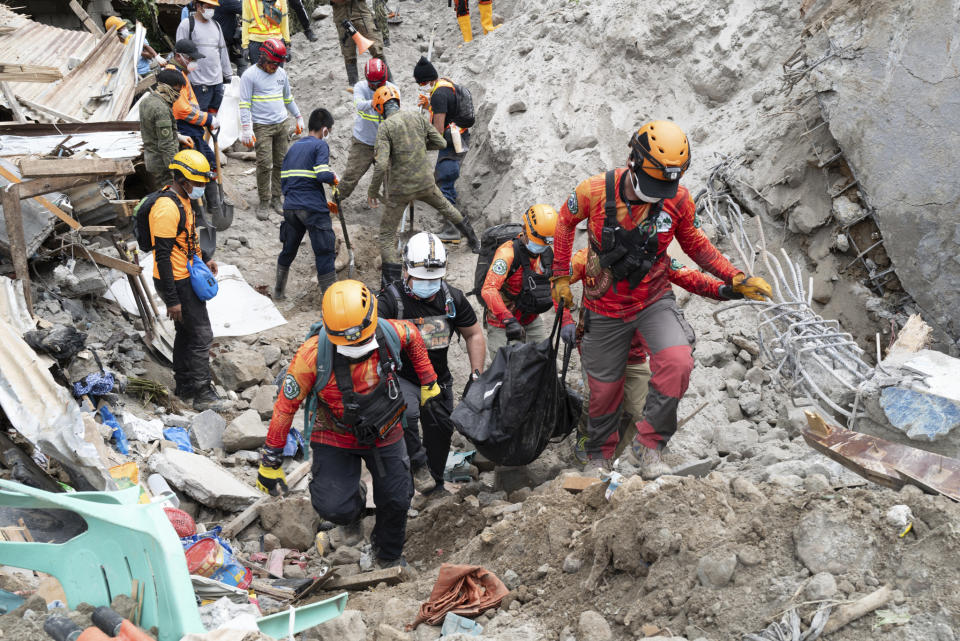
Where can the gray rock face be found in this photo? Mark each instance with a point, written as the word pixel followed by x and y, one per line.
pixel 821 586
pixel 207 430
pixel 239 369
pixel 716 570
pixel 735 437
pixel 824 543
pixel 904 61
pixel 593 627
pixel 246 432
pixel 263 401
pixel 203 480
pixel 349 626
pixel 292 520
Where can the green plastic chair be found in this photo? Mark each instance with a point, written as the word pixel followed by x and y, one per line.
pixel 124 541
pixel 305 617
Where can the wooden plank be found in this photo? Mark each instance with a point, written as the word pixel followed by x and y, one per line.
pixel 47 129
pixel 250 514
pixel 264 587
pixel 50 167
pixel 40 186
pixel 577 484
pixel 125 206
pixel 13 72
pixel 85 18
pixel 12 101
pixel 47 111
pixel 13 216
pixel 145 83
pixel 113 263
pixel 390 576
pixel 56 211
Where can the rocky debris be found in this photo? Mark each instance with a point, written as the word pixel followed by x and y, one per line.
pixel 820 587
pixel 206 430
pixel 239 369
pixel 716 570
pixel 202 479
pixel 827 543
pixel 246 432
pixel 292 520
pixel 593 627
pixel 735 437
pixel 571 564
pixel 262 401
pixel 349 626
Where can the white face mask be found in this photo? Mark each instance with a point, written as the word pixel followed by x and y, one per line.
pixel 636 187
pixel 207 13
pixel 191 66
pixel 358 351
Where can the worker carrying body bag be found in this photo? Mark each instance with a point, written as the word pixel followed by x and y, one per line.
pixel 519 403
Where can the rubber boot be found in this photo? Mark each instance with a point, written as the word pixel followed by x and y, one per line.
pixel 281 285
pixel 466 229
pixel 211 193
pixel 352 74
pixel 324 281
pixel 206 398
pixel 389 273
pixel 465 28
pixel 263 210
pixel 310 34
pixel 486 18
pixel 449 233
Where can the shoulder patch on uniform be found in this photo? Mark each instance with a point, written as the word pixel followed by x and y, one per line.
pixel 166 132
pixel 291 388
pixel 573 204
pixel 664 222
pixel 675 265
pixel 499 267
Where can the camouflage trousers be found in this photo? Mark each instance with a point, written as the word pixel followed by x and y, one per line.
pixel 359 160
pixel 271 148
pixel 393 212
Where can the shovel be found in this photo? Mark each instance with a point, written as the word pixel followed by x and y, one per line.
pixel 351 267
pixel 224 219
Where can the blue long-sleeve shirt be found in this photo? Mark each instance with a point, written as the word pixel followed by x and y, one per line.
pixel 305 170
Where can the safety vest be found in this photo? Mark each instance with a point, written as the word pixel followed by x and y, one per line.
pixel 443 82
pixel 267 16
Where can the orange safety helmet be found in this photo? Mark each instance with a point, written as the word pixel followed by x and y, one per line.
pixel 659 156
pixel 540 224
pixel 349 312
pixel 383 95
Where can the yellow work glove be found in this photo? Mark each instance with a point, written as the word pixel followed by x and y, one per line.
pixel 752 287
pixel 270 477
pixel 560 290
pixel 429 391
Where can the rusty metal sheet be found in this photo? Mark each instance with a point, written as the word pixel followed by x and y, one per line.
pixel 883 462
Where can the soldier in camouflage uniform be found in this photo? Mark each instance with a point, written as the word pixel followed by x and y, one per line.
pixel 158 128
pixel 359 14
pixel 400 153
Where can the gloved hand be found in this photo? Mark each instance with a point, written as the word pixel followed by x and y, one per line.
pixel 568 333
pixel 429 391
pixel 474 375
pixel 185 141
pixel 752 287
pixel 246 136
pixel 289 51
pixel 560 290
pixel 336 179
pixel 726 292
pixel 332 206
pixel 515 331
pixel 213 124
pixel 299 127
pixel 270 477
pixel 423 101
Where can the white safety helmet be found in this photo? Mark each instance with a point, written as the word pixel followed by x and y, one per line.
pixel 425 257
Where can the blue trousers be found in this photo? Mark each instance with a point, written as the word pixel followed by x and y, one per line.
pixel 209 97
pixel 447 170
pixel 335 490
pixel 296 223
pixel 195 133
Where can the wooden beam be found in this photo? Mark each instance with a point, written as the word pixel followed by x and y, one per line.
pixel 48 167
pixel 47 111
pixel 12 101
pixel 39 186
pixel 13 217
pixel 390 576
pixel 12 72
pixel 56 211
pixel 145 83
pixel 85 18
pixel 47 129
pixel 125 206
pixel 250 514
pixel 114 263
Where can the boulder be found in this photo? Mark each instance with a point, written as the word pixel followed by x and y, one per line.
pixel 202 479
pixel 239 369
pixel 829 543
pixel 593 627
pixel 206 430
pixel 349 626
pixel 716 570
pixel 292 520
pixel 263 401
pixel 246 432
pixel 735 437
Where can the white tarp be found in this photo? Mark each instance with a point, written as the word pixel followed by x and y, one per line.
pixel 236 310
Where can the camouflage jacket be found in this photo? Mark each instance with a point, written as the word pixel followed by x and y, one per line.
pixel 158 130
pixel 401 153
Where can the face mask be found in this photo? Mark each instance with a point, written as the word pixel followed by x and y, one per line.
pixel 535 248
pixel 191 66
pixel 207 13
pixel 196 193
pixel 636 187
pixel 358 351
pixel 424 288
pixel 123 34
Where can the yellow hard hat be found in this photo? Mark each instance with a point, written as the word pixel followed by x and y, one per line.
pixel 193 165
pixel 115 21
pixel 659 156
pixel 540 223
pixel 349 312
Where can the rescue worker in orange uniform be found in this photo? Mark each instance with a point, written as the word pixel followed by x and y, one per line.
pixel 347 373
pixel 516 289
pixel 633 214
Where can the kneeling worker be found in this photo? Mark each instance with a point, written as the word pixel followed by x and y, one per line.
pixel 438 309
pixel 347 372
pixel 516 289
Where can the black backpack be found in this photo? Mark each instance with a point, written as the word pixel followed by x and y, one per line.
pixel 465 116
pixel 490 241
pixel 141 214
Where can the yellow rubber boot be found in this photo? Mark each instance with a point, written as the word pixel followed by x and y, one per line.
pixel 465 28
pixel 486 18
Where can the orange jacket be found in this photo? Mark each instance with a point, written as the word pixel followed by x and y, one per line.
pixel 500 287
pixel 186 107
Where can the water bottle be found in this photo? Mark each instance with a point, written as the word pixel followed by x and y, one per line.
pixel 160 488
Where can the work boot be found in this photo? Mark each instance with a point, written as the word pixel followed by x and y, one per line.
pixel 392 563
pixel 390 273
pixel 184 392
pixel 352 533
pixel 263 210
pixel 466 29
pixel 310 34
pixel 423 481
pixel 486 18
pixel 352 74
pixel 597 467
pixel 277 205
pixel 211 193
pixel 281 285
pixel 464 228
pixel 651 460
pixel 449 233
pixel 580 449
pixel 206 399
pixel 324 281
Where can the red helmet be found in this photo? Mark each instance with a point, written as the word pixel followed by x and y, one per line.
pixel 274 50
pixel 375 72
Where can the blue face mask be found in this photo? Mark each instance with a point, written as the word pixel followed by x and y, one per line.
pixel 424 288
pixel 535 248
pixel 196 193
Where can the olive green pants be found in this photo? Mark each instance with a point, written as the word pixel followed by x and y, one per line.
pixel 536 331
pixel 360 16
pixel 359 159
pixel 393 212
pixel 271 148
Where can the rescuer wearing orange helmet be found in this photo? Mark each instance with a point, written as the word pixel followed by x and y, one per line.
pixel 633 214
